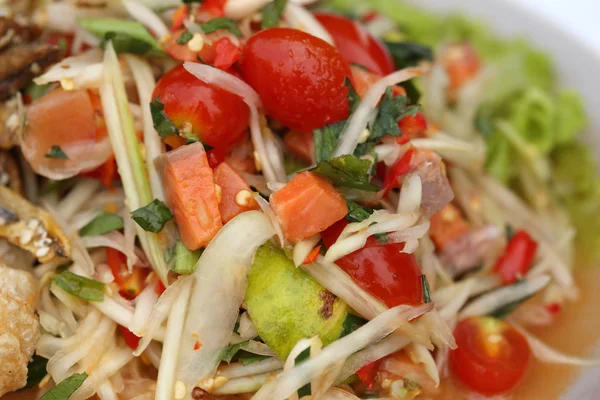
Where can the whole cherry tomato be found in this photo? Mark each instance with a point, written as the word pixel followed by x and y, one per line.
pixel 299 78
pixel 491 357
pixel 382 270
pixel 218 117
pixel 356 43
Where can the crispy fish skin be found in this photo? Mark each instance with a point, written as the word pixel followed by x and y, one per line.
pixel 13 364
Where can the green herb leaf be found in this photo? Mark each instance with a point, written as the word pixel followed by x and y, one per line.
pixel 80 286
pixel 102 224
pixel 65 388
pixel 248 358
pixel 222 23
pixel 407 54
pixel 36 91
pixel 391 110
pixel 356 212
pixel 351 323
pixel 326 140
pixel 382 238
pixel 152 217
pixel 365 148
pixel 347 171
pixel 163 125
pixel 191 1
pixel 484 122
pixel 127 36
pixel 426 290
pixel 56 152
pixel 185 37
pixel 36 371
pixel 229 351
pixel 271 14
pixel 185 260
pixel 353 97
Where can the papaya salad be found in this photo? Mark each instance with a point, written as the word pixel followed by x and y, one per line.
pixel 269 200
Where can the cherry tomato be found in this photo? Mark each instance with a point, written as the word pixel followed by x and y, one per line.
pixel 363 80
pixel 491 357
pixel 299 78
pixel 301 145
pixel 368 373
pixel 413 127
pixel 461 64
pixel 130 284
pixel 517 258
pixel 356 43
pixel 402 167
pixel 213 7
pixel 131 339
pixel 218 117
pixel 382 270
pixel 227 54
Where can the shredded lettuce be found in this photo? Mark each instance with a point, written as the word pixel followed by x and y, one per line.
pixel 570 117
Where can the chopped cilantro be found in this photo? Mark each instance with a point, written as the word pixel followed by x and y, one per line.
pixel 152 217
pixel 271 14
pixel 391 110
pixel 222 23
pixel 347 171
pixel 184 37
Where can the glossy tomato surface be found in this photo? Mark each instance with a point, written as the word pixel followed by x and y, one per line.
pixel 491 357
pixel 299 78
pixel 218 117
pixel 382 270
pixel 356 44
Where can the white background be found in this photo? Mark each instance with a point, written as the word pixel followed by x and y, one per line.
pixel 579 17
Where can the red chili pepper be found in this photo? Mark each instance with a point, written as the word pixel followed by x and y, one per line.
pixel 312 256
pixel 554 308
pixel 401 168
pixel 130 338
pixel 227 54
pixel 412 127
pixel 214 7
pixel 368 373
pixel 178 17
pixel 130 284
pixel 160 288
pixel 517 258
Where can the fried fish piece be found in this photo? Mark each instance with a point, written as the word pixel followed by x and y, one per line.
pixel 20 64
pixel 18 284
pixel 13 364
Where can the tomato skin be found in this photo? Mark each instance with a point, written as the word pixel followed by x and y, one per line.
pixel 218 117
pixel 227 54
pixel 356 43
pixel 413 126
pixel 402 167
pixel 299 78
pixel 382 270
pixel 368 373
pixel 517 258
pixel 491 357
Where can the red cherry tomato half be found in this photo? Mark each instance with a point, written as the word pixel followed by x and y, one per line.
pixel 299 78
pixel 382 270
pixel 491 357
pixel 517 258
pixel 356 43
pixel 218 117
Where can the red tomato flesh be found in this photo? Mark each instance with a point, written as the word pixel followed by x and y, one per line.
pixel 382 270
pixel 491 357
pixel 356 43
pixel 299 78
pixel 218 117
pixel 517 258
pixel 131 339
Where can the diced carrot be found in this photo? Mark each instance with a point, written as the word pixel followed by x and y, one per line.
pixel 301 145
pixel 363 80
pixel 447 225
pixel 232 201
pixel 307 205
pixel 191 195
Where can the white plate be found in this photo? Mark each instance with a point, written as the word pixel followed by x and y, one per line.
pixel 578 67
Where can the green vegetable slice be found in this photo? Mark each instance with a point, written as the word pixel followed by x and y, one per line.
pixel 102 224
pixel 222 23
pixel 163 125
pixel 185 260
pixel 65 388
pixel 271 14
pixel 127 36
pixel 347 171
pixel 153 217
pixel 79 286
pixel 56 152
